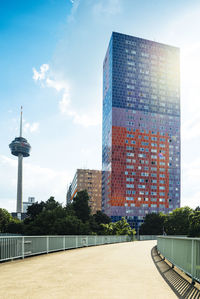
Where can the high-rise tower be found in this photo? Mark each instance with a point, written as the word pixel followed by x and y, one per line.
pixel 141 128
pixel 21 148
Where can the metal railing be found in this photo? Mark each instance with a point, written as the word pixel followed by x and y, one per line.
pixel 146 237
pixel 182 252
pixel 23 246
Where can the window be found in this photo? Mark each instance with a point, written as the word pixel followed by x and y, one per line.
pixel 154 175
pixel 154 150
pixel 153 205
pixel 130 154
pixel 162 182
pixel 141 155
pixel 162 188
pixel 129 186
pixel 130 179
pixel 153 157
pixel 141 186
pixel 129 198
pixel 162 175
pixel 153 138
pixel 129 166
pixel 153 199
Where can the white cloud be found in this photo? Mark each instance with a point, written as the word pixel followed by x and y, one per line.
pixel 42 73
pixel 62 87
pixel 191 128
pixel 38 181
pixel 75 6
pixel 107 7
pixel 31 127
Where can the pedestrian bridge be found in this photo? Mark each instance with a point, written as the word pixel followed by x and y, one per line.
pixel 122 270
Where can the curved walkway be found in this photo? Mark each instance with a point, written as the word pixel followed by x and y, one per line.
pixel 123 270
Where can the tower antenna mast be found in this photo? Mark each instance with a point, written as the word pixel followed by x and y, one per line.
pixel 20 133
pixel 21 148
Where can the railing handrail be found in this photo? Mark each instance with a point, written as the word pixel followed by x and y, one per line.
pixel 177 237
pixel 12 247
pixel 42 236
pixel 182 252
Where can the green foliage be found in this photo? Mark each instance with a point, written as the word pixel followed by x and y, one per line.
pixel 81 207
pixel 177 222
pixel 8 224
pixel 5 218
pixel 120 227
pixel 15 226
pixel 153 224
pixel 96 220
pixel 50 218
pixel 35 209
pixel 194 228
pixel 100 217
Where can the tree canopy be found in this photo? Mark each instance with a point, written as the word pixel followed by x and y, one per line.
pixel 120 227
pixel 153 224
pixel 181 221
pixel 50 218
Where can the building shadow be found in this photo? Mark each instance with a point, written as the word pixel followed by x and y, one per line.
pixel 181 286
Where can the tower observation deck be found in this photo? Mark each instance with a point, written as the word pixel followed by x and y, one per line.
pixel 21 148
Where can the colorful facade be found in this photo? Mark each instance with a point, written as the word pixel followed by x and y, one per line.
pixel 90 180
pixel 141 128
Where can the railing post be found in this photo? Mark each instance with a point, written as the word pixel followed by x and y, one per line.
pixel 76 241
pixel 47 244
pixel 63 242
pixel 23 247
pixel 193 260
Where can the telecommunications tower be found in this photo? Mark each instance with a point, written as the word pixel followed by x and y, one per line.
pixel 21 148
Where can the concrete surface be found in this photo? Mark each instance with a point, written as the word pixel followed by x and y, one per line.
pixel 114 271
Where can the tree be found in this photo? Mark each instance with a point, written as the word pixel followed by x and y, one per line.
pixel 34 210
pixel 81 206
pixel 100 217
pixel 5 219
pixel 15 226
pixel 177 222
pixel 96 220
pixel 120 227
pixel 153 224
pixel 194 227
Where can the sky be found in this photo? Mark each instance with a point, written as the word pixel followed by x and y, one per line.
pixel 51 57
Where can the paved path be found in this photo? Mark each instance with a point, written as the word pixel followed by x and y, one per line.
pixel 114 271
